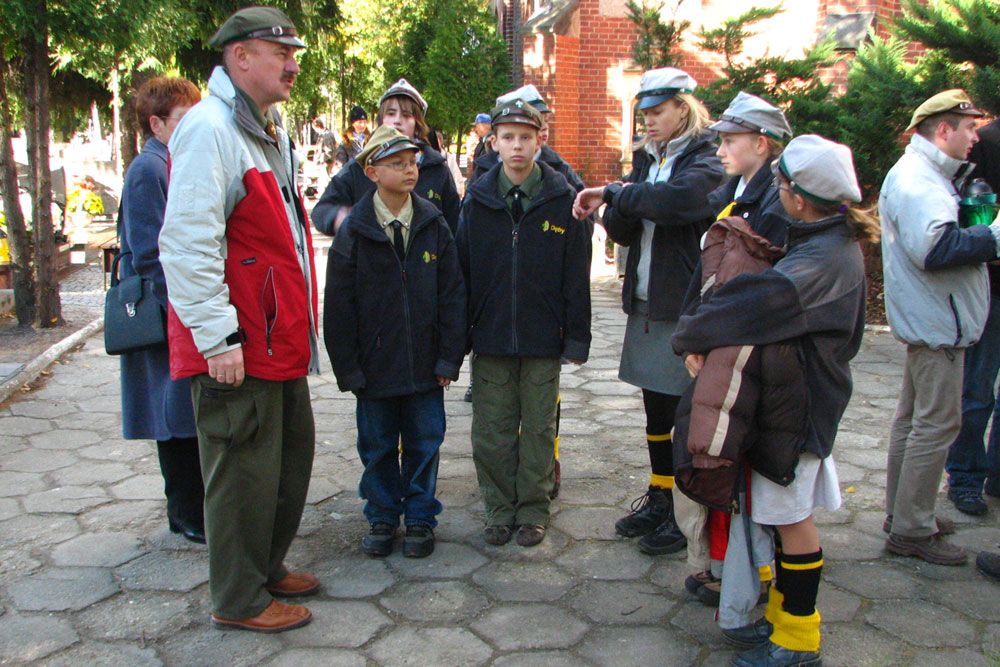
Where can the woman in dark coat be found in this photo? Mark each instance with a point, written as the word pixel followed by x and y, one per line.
pixel 154 407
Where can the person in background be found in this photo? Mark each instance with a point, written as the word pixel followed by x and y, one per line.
pixel 155 407
pixel 481 127
pixel 355 136
pixel 326 145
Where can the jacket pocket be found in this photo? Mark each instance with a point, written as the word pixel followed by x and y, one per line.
pixel 958 319
pixel 269 306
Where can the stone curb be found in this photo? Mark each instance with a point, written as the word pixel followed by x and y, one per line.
pixel 33 369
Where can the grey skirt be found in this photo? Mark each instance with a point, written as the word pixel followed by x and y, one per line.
pixel 648 360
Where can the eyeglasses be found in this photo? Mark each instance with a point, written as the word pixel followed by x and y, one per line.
pixel 399 166
pixel 779 184
pixel 176 119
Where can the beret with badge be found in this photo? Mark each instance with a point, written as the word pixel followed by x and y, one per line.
pixel 820 170
pixel 659 85
pixel 516 111
pixel 527 93
pixel 265 23
pixel 385 141
pixel 404 88
pixel 750 114
pixel 948 101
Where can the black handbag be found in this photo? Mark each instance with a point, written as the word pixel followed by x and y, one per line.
pixel 133 318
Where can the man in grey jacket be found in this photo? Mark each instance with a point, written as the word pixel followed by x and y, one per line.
pixel 937 299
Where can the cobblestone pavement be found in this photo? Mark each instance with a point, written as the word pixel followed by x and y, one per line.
pixel 89 573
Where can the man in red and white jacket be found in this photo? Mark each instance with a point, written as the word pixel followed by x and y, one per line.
pixel 237 256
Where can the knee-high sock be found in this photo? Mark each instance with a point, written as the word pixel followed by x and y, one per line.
pixel 796 626
pixel 660 409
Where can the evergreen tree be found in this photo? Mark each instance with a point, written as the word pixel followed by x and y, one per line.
pixel 656 42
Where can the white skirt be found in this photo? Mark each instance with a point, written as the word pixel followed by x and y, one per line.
pixel 815 485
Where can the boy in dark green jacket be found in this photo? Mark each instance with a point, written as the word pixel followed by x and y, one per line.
pixel 525 261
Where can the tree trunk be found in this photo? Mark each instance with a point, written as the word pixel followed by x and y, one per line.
pixel 131 132
pixel 36 50
pixel 20 248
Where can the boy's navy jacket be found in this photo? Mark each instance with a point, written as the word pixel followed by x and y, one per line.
pixel 392 327
pixel 528 284
pixel 681 211
pixel 816 293
pixel 434 184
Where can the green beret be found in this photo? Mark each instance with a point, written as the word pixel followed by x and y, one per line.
pixel 265 23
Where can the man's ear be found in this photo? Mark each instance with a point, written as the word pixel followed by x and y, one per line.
pixel 493 142
pixel 372 173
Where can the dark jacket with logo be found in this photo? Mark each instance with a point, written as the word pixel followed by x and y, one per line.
pixel 434 184
pixel 528 283
pixel 392 327
pixel 681 211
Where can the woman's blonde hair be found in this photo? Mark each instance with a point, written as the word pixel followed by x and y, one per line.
pixel 695 121
pixel 864 222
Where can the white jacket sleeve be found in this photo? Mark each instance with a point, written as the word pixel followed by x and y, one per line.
pixel 192 241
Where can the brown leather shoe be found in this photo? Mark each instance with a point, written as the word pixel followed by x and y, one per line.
pixel 295 584
pixel 945 526
pixel 276 617
pixel 530 534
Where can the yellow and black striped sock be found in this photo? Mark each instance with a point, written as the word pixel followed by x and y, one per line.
pixel 661 460
pixel 796 626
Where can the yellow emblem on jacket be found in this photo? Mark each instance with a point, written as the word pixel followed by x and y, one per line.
pixel 429 257
pixel 553 228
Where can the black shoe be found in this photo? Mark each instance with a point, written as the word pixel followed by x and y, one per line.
pixel 418 542
pixel 378 541
pixel 751 635
pixel 696 581
pixel 190 531
pixel 989 564
pixel 967 501
pixel 666 539
pixel 770 654
pixel 648 512
pixel 468 395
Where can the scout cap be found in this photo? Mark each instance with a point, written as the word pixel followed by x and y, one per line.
pixel 403 87
pixel 527 93
pixel 265 23
pixel 385 141
pixel 953 101
pixel 517 111
pixel 819 169
pixel 482 118
pixel 749 113
pixel 659 85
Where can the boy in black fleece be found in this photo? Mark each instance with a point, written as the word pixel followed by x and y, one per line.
pixel 394 325
pixel 524 259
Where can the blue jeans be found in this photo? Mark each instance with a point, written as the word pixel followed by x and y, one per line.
pixel 970 462
pixel 398 483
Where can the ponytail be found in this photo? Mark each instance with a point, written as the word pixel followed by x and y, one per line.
pixel 864 223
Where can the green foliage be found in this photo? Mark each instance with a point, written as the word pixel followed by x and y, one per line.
pixel 656 42
pixel 728 38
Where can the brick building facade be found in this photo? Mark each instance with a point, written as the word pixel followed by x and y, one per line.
pixel 578 54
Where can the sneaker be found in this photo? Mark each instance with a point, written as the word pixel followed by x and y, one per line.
pixel 378 541
pixel 989 564
pixel 944 526
pixel 750 635
pixel 418 541
pixel 530 534
pixel 498 535
pixel 770 654
pixel 932 549
pixel 666 539
pixel 968 501
pixel 648 511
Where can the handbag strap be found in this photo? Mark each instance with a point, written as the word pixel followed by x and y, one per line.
pixel 114 268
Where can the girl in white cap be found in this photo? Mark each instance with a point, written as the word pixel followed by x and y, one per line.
pixel 659 212
pixel 403 107
pixel 815 295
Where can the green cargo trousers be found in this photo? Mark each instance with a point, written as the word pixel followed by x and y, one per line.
pixel 513 431
pixel 256 443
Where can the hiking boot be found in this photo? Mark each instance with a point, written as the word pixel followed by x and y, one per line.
pixel 497 535
pixel 989 564
pixel 530 534
pixel 666 539
pixel 944 526
pixel 932 549
pixel 648 511
pixel 378 541
pixel 750 635
pixel 554 493
pixel 770 654
pixel 968 501
pixel 418 541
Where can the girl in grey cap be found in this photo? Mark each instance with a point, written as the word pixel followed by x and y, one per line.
pixel 659 212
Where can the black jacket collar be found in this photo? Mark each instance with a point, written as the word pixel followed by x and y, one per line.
pixel 366 223
pixel 486 191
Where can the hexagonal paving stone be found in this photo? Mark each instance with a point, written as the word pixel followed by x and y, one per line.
pixel 606 560
pixel 116 450
pixel 846 543
pixel 8 508
pixel 50 409
pixel 524 582
pixel 448 561
pixel 204 645
pixel 38 530
pixel 66 499
pixel 921 623
pixel 88 472
pixel 621 603
pixel 857 644
pixel 20 483
pixel 140 487
pixel 98 550
pixel 38 460
pixel 454 647
pixel 952 658
pixel 27 638
pixel 435 601
pixel 320 489
pixel 105 654
pixel 133 515
pixel 165 571
pixel 837 606
pixel 317 657
pixel 538 659
pixel 341 624
pixel 354 577
pixel 530 626
pixel 64 439
pixel 59 589
pixel 876 580
pixel 135 617
pixel 588 523
pixel 23 425
pixel 638 647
